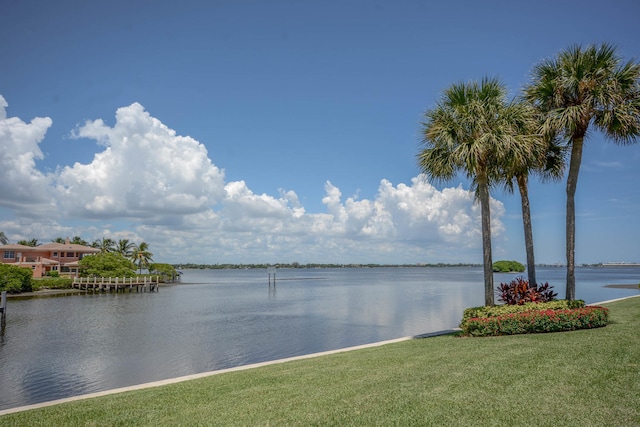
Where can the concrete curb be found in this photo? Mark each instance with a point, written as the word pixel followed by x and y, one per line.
pixel 614 300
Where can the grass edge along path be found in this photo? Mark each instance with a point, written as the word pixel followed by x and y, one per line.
pixel 587 377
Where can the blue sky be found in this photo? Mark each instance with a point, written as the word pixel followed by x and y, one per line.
pixel 285 131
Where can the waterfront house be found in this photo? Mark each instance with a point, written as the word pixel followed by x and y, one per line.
pixel 60 257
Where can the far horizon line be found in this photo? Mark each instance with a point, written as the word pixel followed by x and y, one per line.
pixel 293 265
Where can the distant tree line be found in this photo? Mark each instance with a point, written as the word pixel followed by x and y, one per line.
pixel 194 266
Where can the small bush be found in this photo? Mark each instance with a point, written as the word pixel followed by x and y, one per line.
pixel 536 321
pixel 520 292
pixel 576 303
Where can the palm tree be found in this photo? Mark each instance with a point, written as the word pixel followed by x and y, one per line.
pixel 105 244
pixel 77 240
pixel 58 240
pixel 473 127
pixel 544 157
pixel 32 242
pixel 578 89
pixel 3 239
pixel 141 255
pixel 125 248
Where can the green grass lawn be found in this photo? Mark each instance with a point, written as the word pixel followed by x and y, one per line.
pixel 581 378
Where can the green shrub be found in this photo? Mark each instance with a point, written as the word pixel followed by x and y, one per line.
pixel 507 267
pixel 108 264
pixel 576 303
pixel 536 321
pixel 167 271
pixel 14 279
pixel 498 310
pixel 52 283
pixel 53 273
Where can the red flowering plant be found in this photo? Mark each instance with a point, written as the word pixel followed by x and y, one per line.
pixel 519 292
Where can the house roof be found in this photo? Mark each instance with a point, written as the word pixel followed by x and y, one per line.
pixel 16 247
pixel 51 247
pixel 54 246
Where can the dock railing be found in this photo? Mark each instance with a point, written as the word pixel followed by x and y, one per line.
pixel 143 284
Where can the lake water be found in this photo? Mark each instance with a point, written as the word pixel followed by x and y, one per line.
pixel 51 348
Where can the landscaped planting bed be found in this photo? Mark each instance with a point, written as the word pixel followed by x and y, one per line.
pixel 530 309
pixel 536 321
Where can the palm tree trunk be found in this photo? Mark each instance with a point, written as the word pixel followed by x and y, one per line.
pixel 526 222
pixel 483 195
pixel 572 182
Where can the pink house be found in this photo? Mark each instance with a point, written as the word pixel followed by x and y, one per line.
pixel 60 257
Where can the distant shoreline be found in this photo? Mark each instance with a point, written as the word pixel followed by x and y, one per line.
pixel 621 264
pixel 636 286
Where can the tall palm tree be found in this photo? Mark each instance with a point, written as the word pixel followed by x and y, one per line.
pixel 58 240
pixel 3 239
pixel 471 128
pixel 538 155
pixel 125 248
pixel 578 89
pixel 141 255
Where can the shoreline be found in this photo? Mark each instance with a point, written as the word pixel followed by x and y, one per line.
pixel 44 293
pixel 636 287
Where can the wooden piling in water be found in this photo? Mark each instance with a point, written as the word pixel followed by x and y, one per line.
pixel 3 312
pixel 270 271
pixel 3 303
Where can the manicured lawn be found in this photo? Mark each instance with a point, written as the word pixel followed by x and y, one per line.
pixel 581 378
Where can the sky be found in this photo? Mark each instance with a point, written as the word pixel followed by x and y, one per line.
pixel 287 131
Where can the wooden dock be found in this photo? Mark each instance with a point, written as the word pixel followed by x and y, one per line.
pixel 116 284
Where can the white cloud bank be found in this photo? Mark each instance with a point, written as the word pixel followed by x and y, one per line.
pixel 163 188
pixel 21 183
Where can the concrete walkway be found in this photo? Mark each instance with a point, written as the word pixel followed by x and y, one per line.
pixel 237 368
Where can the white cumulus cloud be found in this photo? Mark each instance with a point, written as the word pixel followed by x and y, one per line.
pixel 145 170
pixel 21 183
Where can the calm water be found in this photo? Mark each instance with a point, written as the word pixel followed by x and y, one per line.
pixel 52 348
